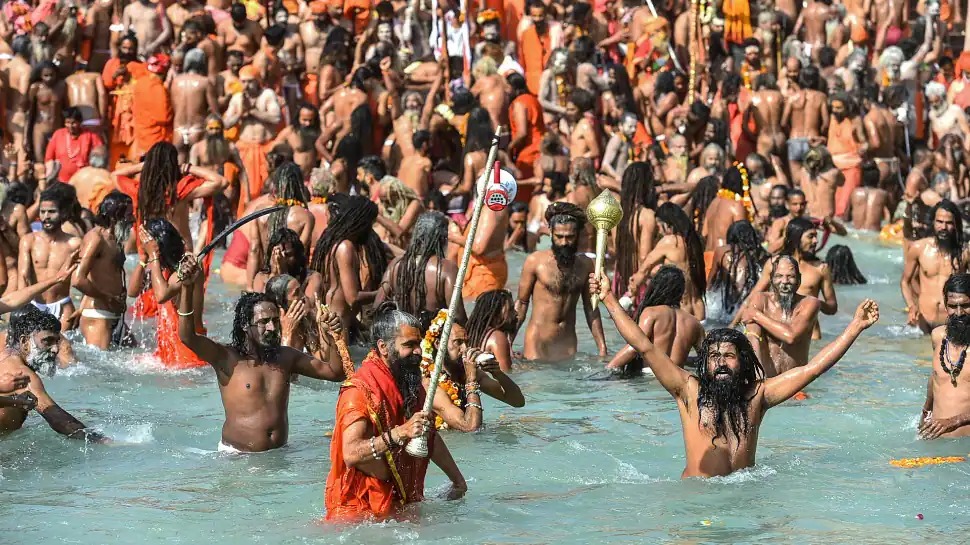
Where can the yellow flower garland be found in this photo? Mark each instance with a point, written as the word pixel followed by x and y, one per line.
pixel 745 196
pixel 290 202
pixel 427 363
pixel 318 200
pixel 911 463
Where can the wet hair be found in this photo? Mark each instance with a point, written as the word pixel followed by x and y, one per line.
pixel 463 101
pixel 490 313
pixel 171 246
pixel 826 57
pixel 274 35
pixel 243 320
pixel 21 45
pixel 517 83
pixel 953 248
pixel 355 222
pixel 732 180
pixel 557 184
pixel 731 84
pixel 39 68
pixel 745 244
pixel 276 289
pixel 420 138
pixel 74 114
pixel 664 84
pixel 765 81
pixel 18 193
pixel 636 191
pixel 701 200
pixel 288 186
pixel 794 231
pixel 388 321
pixel 583 99
pixel 350 149
pixel 674 216
pixel 957 283
pixel 195 62
pixel 28 320
pixel 735 415
pixel 282 237
pixel 374 166
pixel 479 131
pixel 237 12
pixel 842 264
pixel 158 182
pixel 235 53
pixel 666 288
pixel 65 196
pixel 362 126
pixel 115 206
pixel 429 239
pixel 583 49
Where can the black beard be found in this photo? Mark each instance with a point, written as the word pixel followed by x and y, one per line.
pixel 958 330
pixel 726 400
pixel 269 349
pixel 777 211
pixel 565 255
pixel 216 147
pixel 308 138
pixel 541 27
pixel 407 375
pixel 320 23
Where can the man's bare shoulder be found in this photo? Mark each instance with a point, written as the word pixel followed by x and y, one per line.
pixel 808 303
pixel 938 333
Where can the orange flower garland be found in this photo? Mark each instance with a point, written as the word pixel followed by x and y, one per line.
pixel 911 463
pixel 290 202
pixel 318 200
pixel 427 364
pixel 745 196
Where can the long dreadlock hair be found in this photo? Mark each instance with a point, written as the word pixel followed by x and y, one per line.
pixel 745 244
pixel 675 217
pixel 794 231
pixel 27 321
pixel 158 182
pixel 429 239
pixel 171 246
pixel 954 244
pixel 701 200
pixel 750 373
pixel 243 320
pixel 355 223
pixel 276 290
pixel 842 264
pixel 491 312
pixel 666 288
pixel 283 237
pixel 636 191
pixel 288 185
pixel 479 131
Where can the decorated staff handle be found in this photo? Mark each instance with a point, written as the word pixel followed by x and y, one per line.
pixel 418 447
pixel 605 213
pixel 342 350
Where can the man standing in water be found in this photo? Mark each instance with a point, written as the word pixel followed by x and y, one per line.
pixel 946 412
pixel 929 262
pixel 378 412
pixel 556 277
pixel 722 406
pixel 255 370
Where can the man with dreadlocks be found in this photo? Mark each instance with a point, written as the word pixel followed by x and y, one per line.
pixel 556 279
pixel 666 325
pixel 946 412
pixel 255 370
pixel 289 191
pixel 929 262
pixel 285 255
pixel 101 273
pixel 492 325
pixel 733 203
pixel 638 228
pixel 31 348
pixel 737 266
pixel 352 260
pixel 723 404
pixel 421 280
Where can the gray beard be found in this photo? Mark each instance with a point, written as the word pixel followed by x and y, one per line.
pixel 121 231
pixel 41 361
pixel 787 303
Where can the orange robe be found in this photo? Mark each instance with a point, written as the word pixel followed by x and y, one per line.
pixel 534 53
pixel 484 274
pixel 170 350
pixel 845 154
pixel 253 155
pixel 535 128
pixel 351 495
pixel 120 109
pixel 152 108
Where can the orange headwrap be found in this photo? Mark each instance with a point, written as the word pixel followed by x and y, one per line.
pixel 249 72
pixel 963 63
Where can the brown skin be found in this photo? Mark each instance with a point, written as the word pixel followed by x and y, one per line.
pixel 298 219
pixel 415 172
pixel 551 332
pixel 44 253
pixel 671 329
pixel 946 411
pixel 16 76
pixel 350 285
pixel 304 154
pixel 805 115
pixel 776 233
pixel 255 393
pixel 870 206
pixel 256 111
pixel 925 269
pixel 100 277
pixel 461 363
pixel 812 20
pixel 438 295
pixel 583 139
pixel 246 38
pixel 727 454
pixel 493 95
pixel 45 100
pixel 193 98
pixel 720 215
pixel 14 225
pixel 766 112
pixel 85 90
pixel 816 276
pixel 822 189
pixel 97 28
pixel 151 26
pixel 670 250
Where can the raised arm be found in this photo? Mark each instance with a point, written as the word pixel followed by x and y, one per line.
pixel 206 349
pixel 214 183
pixel 328 327
pixel 498 385
pixel 470 419
pixel 673 378
pixel 780 388
pixel 16 299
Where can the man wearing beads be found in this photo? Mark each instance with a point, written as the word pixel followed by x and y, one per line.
pixel 946 412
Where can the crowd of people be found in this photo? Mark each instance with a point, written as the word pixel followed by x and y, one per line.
pixel 737 137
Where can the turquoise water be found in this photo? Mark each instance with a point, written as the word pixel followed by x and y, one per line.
pixel 583 462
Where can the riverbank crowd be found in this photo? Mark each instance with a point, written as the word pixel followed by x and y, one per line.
pixel 738 137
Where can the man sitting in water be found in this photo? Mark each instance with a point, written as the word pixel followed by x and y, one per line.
pixel 255 371
pixel 378 413
pixel 556 279
pixel 946 412
pixel 722 406
pixel 785 317
pixel 32 345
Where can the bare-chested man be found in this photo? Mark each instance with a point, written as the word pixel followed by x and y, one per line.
pixel 43 254
pixel 16 76
pixel 619 150
pixel 796 204
pixel 302 137
pixel 492 91
pixel 946 411
pixel 313 32
pixel 97 28
pixel 722 406
pixel 239 33
pixel 415 170
pixel 669 327
pixel 676 162
pixel 228 79
pixel 46 99
pixel 581 126
pixel 255 371
pixel 554 87
pixel 724 211
pixel 257 113
pixel 806 117
pixel 870 203
pixel 86 92
pixel 929 262
pixel 945 118
pixel 193 98
pixel 884 135
pixel 180 12
pixel 821 182
pixel 100 274
pixel 556 278
pixel 766 113
pixel 813 19
pixel 149 23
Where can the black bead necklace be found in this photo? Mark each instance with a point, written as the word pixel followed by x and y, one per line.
pixel 947 364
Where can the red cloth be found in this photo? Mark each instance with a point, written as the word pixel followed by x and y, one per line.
pixel 170 350
pixel 238 251
pixel 352 495
pixel 71 153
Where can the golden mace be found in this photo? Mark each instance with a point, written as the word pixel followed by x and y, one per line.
pixel 605 213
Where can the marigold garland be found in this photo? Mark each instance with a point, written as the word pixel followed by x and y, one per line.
pixel 910 463
pixel 427 363
pixel 745 196
pixel 290 202
pixel 318 200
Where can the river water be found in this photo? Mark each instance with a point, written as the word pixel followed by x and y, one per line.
pixel 583 462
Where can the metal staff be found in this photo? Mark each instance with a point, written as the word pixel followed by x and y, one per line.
pixel 225 233
pixel 605 213
pixel 418 447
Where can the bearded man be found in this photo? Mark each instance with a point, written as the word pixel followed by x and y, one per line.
pixel 378 412
pixel 929 262
pixel 945 118
pixel 723 403
pixel 255 370
pixel 302 137
pixel 619 150
pixel 554 87
pixel 556 279
pixel 946 412
pixel 216 153
pixel 32 347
